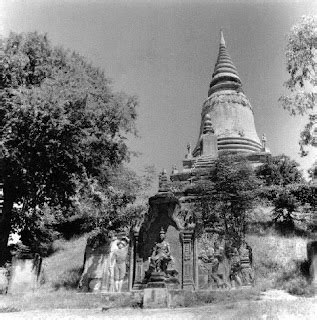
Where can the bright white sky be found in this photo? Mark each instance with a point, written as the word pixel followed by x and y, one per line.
pixel 165 51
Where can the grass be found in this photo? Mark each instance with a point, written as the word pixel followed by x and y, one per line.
pixel 63 268
pixel 201 298
pixel 280 262
pixel 67 299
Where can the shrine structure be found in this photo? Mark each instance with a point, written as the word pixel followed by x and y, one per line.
pixel 169 250
pixel 207 260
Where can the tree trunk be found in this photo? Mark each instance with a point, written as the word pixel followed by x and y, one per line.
pixel 5 226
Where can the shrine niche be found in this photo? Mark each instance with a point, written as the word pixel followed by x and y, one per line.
pixel 164 254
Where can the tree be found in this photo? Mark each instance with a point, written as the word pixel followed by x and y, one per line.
pixel 285 204
pixel 229 194
pixel 279 171
pixel 301 54
pixel 60 125
pixel 120 205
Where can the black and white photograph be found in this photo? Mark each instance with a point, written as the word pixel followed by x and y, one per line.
pixel 158 159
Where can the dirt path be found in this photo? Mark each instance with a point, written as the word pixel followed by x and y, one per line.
pixel 273 305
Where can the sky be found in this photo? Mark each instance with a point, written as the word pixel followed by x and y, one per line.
pixel 165 51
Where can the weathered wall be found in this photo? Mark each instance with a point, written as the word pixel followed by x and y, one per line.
pixel 24 275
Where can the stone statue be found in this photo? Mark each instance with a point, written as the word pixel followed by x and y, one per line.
pixel 235 269
pixel 245 252
pixel 220 270
pixel 118 260
pixel 214 262
pixel 161 255
pixel 210 264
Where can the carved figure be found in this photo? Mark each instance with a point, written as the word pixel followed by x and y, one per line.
pixel 161 255
pixel 210 263
pixel 246 263
pixel 220 270
pixel 214 262
pixel 119 258
pixel 235 268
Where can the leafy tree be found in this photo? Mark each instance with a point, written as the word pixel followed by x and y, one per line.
pixel 60 125
pixel 120 205
pixel 285 204
pixel 301 54
pixel 36 228
pixel 229 194
pixel 279 171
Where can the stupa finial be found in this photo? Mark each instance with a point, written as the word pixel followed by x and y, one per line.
pixel 225 75
pixel 222 39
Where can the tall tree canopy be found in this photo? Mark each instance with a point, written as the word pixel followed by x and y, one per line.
pixel 279 170
pixel 301 56
pixel 60 125
pixel 229 194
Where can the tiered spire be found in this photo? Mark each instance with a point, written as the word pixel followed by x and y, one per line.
pixel 225 76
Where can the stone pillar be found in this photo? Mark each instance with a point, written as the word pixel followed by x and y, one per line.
pixel 188 261
pixel 196 266
pixel 131 265
pixel 312 260
pixel 138 265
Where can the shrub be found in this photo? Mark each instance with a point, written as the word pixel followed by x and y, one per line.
pixel 69 279
pixel 299 286
pixel 294 278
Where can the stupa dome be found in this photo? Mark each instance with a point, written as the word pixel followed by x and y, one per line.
pixel 228 109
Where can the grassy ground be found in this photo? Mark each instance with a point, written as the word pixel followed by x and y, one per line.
pixel 280 262
pixel 287 310
pixel 67 299
pixel 64 267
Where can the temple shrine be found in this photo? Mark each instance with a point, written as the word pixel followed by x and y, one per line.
pixel 201 262
pixel 169 250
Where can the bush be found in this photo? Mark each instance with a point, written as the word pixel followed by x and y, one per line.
pixel 69 279
pixel 295 278
pixel 299 287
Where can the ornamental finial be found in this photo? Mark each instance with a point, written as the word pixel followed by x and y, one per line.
pixel 222 39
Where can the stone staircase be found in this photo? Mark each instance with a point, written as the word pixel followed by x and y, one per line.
pixel 204 162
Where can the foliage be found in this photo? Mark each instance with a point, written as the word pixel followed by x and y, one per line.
pixel 69 280
pixel 36 229
pixel 61 122
pixel 301 53
pixel 60 125
pixel 234 188
pixel 118 206
pixel 304 193
pixel 295 279
pixel 312 171
pixel 284 206
pixel 279 170
pixel 285 188
pixel 229 194
pixel 297 197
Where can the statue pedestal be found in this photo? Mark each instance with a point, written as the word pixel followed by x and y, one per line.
pixel 312 259
pixel 155 298
pixel 157 280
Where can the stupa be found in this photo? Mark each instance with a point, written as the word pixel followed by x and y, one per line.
pixel 227 126
pixel 227 115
